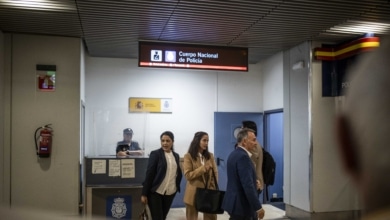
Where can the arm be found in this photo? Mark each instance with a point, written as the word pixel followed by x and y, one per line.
pixel 135 145
pixel 179 171
pixel 214 166
pixel 120 151
pixel 259 167
pixel 191 172
pixel 257 159
pixel 135 150
pixel 215 170
pixel 150 173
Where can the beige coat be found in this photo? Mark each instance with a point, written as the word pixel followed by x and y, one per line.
pixel 195 174
pixel 257 159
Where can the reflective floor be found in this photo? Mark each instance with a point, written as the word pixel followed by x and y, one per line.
pixel 271 212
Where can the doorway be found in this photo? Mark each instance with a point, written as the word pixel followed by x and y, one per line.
pixel 225 124
pixel 273 143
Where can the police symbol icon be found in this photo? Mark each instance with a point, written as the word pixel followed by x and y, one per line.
pixel 156 55
pixel 118 208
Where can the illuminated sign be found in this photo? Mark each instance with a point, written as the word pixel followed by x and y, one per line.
pixel 191 56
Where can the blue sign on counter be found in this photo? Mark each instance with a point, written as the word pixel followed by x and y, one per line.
pixel 118 207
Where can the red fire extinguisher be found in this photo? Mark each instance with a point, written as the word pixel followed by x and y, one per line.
pixel 43 139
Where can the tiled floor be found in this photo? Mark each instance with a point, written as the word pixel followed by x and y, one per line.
pixel 271 212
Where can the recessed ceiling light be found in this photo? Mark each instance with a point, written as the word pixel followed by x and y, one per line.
pixel 361 27
pixel 40 4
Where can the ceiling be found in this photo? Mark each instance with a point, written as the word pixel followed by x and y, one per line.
pixel 112 28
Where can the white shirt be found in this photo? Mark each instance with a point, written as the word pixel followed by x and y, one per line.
pixel 168 185
pixel 201 158
pixel 249 153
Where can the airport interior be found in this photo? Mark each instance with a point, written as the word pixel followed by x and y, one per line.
pixel 76 75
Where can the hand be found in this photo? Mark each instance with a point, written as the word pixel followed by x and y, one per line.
pixel 121 153
pixel 258 185
pixel 144 200
pixel 207 166
pixel 260 213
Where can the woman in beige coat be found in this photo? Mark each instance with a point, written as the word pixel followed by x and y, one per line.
pixel 198 166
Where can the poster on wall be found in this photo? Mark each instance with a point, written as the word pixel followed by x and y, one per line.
pixel 46 78
pixel 155 105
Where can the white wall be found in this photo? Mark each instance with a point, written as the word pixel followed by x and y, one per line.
pixel 297 115
pixel 6 108
pixel 239 91
pixel 272 79
pixel 50 183
pixel 196 95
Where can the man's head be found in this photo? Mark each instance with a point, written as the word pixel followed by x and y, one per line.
pixel 251 125
pixel 363 127
pixel 247 139
pixel 127 135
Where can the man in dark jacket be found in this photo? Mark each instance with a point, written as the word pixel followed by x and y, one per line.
pixel 241 199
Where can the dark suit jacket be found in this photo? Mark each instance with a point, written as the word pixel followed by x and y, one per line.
pixel 155 172
pixel 241 196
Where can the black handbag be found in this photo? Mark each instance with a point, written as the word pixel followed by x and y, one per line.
pixel 209 200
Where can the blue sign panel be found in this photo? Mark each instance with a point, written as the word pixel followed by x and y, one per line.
pixel 118 207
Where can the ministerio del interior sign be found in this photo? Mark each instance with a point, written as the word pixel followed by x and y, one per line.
pixel 154 105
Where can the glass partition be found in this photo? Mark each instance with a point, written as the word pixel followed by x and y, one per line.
pixel 107 131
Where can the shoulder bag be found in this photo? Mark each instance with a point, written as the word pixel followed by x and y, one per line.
pixel 209 200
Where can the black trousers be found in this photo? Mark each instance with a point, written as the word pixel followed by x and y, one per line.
pixel 159 205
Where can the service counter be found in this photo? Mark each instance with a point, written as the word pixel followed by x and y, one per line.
pixel 113 186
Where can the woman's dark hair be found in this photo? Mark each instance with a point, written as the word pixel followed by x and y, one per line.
pixel 193 150
pixel 170 135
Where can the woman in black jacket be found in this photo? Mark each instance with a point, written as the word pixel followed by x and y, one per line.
pixel 163 176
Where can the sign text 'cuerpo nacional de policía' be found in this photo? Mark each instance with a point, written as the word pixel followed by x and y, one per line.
pixel 191 56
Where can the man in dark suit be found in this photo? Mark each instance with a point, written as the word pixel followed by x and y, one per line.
pixel 241 200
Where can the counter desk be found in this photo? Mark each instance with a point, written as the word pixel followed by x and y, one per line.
pixel 113 186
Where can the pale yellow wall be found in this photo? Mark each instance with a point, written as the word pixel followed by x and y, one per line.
pixel 314 180
pixel 50 183
pixel 332 188
pixel 2 117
